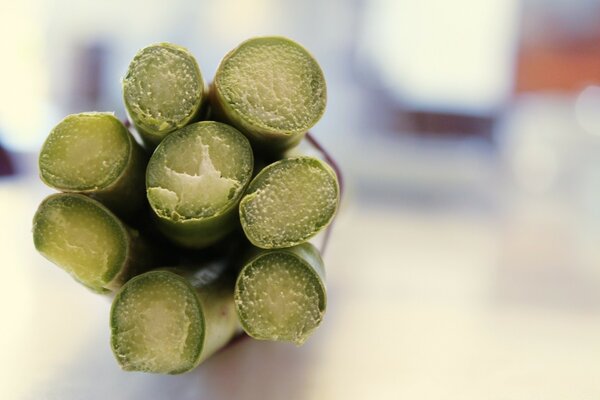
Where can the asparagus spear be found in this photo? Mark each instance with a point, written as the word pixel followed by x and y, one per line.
pixel 195 180
pixel 94 154
pixel 289 202
pixel 88 241
pixel 169 321
pixel 280 294
pixel 271 89
pixel 163 91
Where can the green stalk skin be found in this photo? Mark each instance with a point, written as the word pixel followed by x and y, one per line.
pixel 289 202
pixel 271 89
pixel 94 154
pixel 280 294
pixel 194 182
pixel 83 237
pixel 168 321
pixel 163 91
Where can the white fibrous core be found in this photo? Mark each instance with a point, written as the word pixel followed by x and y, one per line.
pixel 196 178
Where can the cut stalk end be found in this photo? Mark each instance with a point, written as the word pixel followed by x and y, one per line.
pixel 272 89
pixel 157 324
pixel 85 152
pixel 289 202
pixel 163 90
pixel 83 237
pixel 195 179
pixel 280 295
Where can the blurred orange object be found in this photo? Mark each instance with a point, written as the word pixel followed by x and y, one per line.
pixel 565 68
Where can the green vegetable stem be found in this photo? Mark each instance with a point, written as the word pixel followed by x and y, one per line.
pixel 195 179
pixel 289 202
pixel 169 321
pixel 280 294
pixel 83 237
pixel 94 154
pixel 163 91
pixel 272 90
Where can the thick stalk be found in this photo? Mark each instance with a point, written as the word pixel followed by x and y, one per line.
pixel 170 320
pixel 272 90
pixel 195 180
pixel 280 294
pixel 94 154
pixel 289 202
pixel 88 241
pixel 163 91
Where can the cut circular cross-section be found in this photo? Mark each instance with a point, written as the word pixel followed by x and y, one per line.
pixel 163 90
pixel 280 295
pixel 272 89
pixel 194 182
pixel 84 238
pixel 85 152
pixel 157 324
pixel 94 153
pixel 289 202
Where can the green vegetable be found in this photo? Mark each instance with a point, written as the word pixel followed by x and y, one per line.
pixel 163 91
pixel 169 321
pixel 271 89
pixel 88 241
pixel 289 202
pixel 195 180
pixel 207 189
pixel 280 294
pixel 94 154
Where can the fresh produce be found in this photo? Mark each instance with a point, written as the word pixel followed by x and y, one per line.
pixel 280 294
pixel 168 321
pixel 87 240
pixel 163 91
pixel 289 202
pixel 272 89
pixel 201 231
pixel 94 153
pixel 195 180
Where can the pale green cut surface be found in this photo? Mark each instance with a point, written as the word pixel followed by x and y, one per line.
pixel 157 324
pixel 278 297
pixel 274 84
pixel 82 237
pixel 163 88
pixel 85 152
pixel 199 171
pixel 289 202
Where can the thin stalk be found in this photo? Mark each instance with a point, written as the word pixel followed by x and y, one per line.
pixel 195 180
pixel 289 202
pixel 163 91
pixel 94 154
pixel 88 241
pixel 168 321
pixel 271 89
pixel 280 294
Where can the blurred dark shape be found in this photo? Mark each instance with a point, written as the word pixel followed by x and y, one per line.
pixel 390 114
pixel 6 165
pixel 446 124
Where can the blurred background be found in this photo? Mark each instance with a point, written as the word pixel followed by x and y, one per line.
pixel 465 262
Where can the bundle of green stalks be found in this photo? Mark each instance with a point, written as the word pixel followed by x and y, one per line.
pixel 193 216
